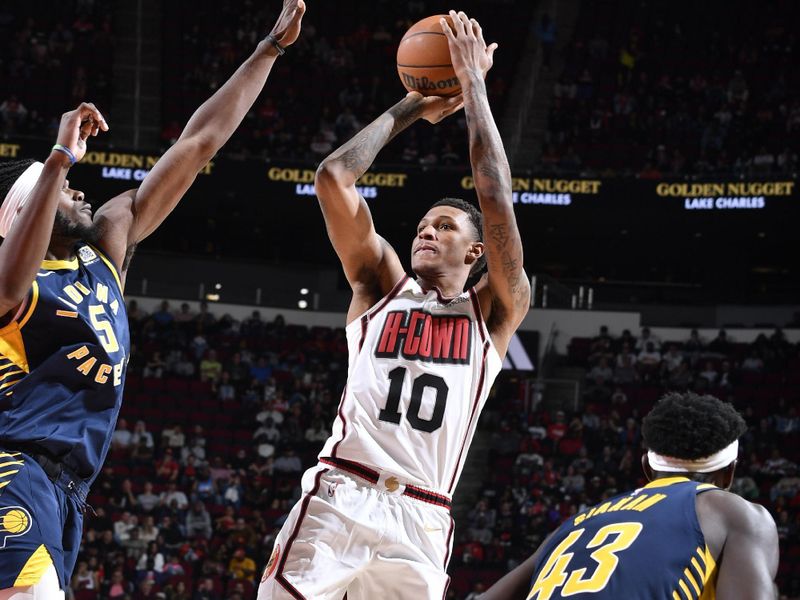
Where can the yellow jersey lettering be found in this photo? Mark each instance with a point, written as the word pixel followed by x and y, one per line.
pixel 79 353
pixel 102 373
pixel 118 373
pixel 86 366
pixel 82 288
pixel 649 502
pixel 553 574
pixel 102 293
pixel 636 502
pixel 624 534
pixel 104 329
pixel 620 505
pixel 74 294
pixel 602 508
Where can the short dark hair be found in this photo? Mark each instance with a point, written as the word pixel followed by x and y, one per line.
pixel 10 171
pixel 690 426
pixel 476 218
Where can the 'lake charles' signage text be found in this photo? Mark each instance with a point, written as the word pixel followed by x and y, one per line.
pixel 726 195
pixel 368 185
pixel 554 192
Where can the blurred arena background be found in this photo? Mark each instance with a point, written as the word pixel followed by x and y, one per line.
pixel 654 152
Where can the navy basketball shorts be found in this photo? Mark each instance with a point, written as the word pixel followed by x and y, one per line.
pixel 40 521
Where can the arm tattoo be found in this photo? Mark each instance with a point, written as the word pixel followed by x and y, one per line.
pixel 499 234
pixel 359 153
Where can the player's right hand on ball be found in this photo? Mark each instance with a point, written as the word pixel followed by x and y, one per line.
pixel 287 27
pixel 468 50
pixel 77 125
pixel 435 108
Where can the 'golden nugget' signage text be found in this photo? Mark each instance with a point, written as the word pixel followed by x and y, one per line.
pixel 126 166
pixel 368 185
pixel 554 192
pixel 725 195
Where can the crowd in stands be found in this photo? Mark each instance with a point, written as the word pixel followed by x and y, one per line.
pixel 641 90
pixel 338 76
pixel 221 417
pixel 547 464
pixel 653 91
pixel 52 57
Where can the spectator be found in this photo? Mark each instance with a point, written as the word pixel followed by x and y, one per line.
pixel 210 367
pixel 173 495
pixel 198 521
pixel 288 462
pixel 141 435
pixel 147 500
pixel 155 366
pixel 167 469
pixel 241 566
pixel 122 437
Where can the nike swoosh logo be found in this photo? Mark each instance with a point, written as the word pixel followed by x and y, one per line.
pixel 45 274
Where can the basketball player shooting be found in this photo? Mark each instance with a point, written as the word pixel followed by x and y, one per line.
pixel 681 536
pixel 64 340
pixel 374 520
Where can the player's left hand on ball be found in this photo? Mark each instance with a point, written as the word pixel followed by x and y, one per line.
pixel 287 27
pixel 435 108
pixel 468 49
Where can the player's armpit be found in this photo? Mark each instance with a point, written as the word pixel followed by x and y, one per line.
pixel 367 259
pixel 749 560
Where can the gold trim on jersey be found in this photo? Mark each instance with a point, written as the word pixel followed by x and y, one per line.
pixel 34 568
pixel 109 264
pixel 699 578
pixel 9 459
pixel 58 265
pixel 664 482
pixel 12 348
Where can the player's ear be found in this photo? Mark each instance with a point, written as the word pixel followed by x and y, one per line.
pixel 475 251
pixel 648 470
pixel 724 477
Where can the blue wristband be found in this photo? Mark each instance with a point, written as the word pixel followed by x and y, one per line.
pixel 67 151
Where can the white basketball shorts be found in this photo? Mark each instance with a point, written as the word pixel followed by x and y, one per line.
pixel 366 540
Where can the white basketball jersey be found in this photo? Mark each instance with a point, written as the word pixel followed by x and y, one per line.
pixel 420 369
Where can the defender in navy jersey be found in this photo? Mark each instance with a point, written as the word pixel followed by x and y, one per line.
pixel 63 328
pixel 665 540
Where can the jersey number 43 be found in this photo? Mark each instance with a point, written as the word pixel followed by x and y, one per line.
pixel 608 541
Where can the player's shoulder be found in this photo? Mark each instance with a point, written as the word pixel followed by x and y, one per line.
pixel 736 512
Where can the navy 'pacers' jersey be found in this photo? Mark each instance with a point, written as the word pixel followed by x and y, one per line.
pixel 643 545
pixel 63 361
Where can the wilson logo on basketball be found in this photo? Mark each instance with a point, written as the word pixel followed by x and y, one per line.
pixel 417 335
pixel 427 85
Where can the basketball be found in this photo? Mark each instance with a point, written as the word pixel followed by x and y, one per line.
pixel 423 59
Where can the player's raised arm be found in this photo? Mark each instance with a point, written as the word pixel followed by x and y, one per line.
pixel 31 204
pixel 506 298
pixel 129 218
pixel 370 264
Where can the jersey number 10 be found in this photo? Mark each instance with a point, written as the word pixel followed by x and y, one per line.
pixel 391 413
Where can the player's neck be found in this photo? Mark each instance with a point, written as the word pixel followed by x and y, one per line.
pixel 447 286
pixel 61 248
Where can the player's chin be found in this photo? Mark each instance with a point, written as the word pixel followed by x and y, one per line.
pixel 423 261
